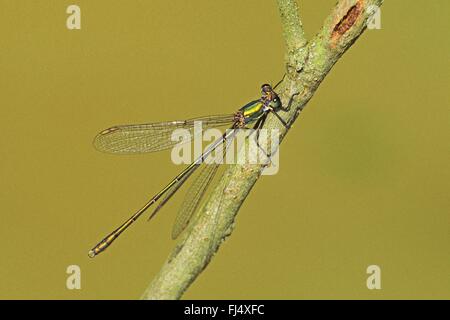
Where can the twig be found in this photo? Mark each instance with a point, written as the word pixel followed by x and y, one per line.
pixel 307 66
pixel 293 33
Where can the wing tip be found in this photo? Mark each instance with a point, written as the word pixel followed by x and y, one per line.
pixel 99 143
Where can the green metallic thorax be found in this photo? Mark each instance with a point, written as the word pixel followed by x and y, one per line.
pixel 253 111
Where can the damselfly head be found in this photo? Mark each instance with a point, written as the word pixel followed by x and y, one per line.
pixel 270 97
pixel 266 89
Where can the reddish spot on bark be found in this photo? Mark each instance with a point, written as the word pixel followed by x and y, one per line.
pixel 347 21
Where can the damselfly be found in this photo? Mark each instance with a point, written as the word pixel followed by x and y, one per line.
pixel 151 137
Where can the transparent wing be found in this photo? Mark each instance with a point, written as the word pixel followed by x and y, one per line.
pixel 151 137
pixel 193 198
pixel 197 191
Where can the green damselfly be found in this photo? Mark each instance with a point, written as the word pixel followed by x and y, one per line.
pixel 151 137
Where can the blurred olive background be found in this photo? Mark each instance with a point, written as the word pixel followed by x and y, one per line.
pixel 364 175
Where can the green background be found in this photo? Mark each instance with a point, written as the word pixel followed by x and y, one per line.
pixel 364 174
